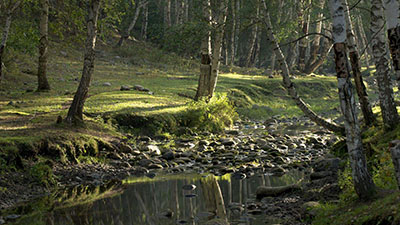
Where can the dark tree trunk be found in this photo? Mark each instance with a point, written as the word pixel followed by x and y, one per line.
pixel 75 112
pixel 366 109
pixel 43 84
pixel 125 35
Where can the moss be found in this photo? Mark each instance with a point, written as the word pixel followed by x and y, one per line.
pixel 42 173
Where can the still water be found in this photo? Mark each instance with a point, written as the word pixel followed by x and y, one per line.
pixel 163 200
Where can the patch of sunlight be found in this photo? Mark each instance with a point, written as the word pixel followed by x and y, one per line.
pixel 170 177
pixel 13 127
pixel 242 77
pixel 15 112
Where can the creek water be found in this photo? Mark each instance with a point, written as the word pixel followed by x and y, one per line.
pixel 161 200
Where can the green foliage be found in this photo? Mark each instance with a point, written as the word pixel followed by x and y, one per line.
pixel 213 116
pixel 184 39
pixel 42 173
pixel 24 36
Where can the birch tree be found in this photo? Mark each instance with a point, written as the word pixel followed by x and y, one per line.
pixel 362 180
pixel 9 9
pixel 210 64
pixel 125 35
pixel 379 51
pixel 288 84
pixel 75 112
pixel 43 84
pixel 366 109
pixel 392 12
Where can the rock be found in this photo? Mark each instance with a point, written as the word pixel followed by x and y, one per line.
pixel 125 148
pixel 320 175
pixel 125 88
pixel 114 155
pixel 167 213
pixel 150 93
pixel 270 76
pixel 227 141
pixel 11 103
pixel 332 164
pixel 239 176
pixel 145 162
pixel 204 142
pixel 138 87
pixel 152 149
pixel 233 132
pixel 140 73
pixel 107 84
pixel 311 208
pixel 155 166
pixel 145 138
pixel 168 155
pixel 189 187
pixel 63 53
pixel 263 191
pixel 2 221
pixel 12 217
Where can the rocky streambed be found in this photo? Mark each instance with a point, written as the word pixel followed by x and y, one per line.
pixel 249 149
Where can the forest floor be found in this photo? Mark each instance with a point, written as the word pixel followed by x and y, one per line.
pixel 33 144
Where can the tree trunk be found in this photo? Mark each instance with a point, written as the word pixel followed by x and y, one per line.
pixel 145 22
pixel 43 84
pixel 362 180
pixel 257 49
pixel 395 152
pixel 233 34
pixel 386 100
pixel 167 14
pixel 205 66
pixel 363 42
pixel 214 201
pixel 127 32
pixel 217 45
pixel 6 30
pixel 288 83
pixel 368 50
pixel 273 62
pixel 252 41
pixel 315 45
pixel 392 11
pixel 304 25
pixel 366 109
pixel 75 112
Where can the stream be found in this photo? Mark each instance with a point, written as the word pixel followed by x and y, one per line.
pixel 164 199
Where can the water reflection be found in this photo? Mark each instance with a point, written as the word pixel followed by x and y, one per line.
pixel 162 200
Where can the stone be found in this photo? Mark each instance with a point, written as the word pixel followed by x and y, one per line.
pixel 150 93
pixel 227 141
pixel 138 87
pixel 232 132
pixel 2 221
pixel 11 103
pixel 189 187
pixel 107 84
pixel 320 175
pixel 168 155
pixel 145 139
pixel 155 166
pixel 311 208
pixel 125 88
pixel 125 148
pixel 145 162
pixel 264 191
pixel 12 217
pixel 63 53
pixel 204 142
pixel 114 155
pixel 152 149
pixel 139 73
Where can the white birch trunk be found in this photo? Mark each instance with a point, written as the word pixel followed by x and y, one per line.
pixel 392 11
pixel 379 51
pixel 362 180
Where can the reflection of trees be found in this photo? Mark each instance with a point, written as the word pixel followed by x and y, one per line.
pixel 214 201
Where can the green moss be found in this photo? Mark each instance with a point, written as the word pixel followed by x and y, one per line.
pixel 42 173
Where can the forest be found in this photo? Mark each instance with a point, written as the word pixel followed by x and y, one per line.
pixel 215 112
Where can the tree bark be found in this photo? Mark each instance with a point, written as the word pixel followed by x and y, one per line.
pixel 395 152
pixel 252 42
pixel 386 100
pixel 363 42
pixel 43 84
pixel 217 45
pixel 127 32
pixel 288 83
pixel 304 26
pixel 75 112
pixel 145 21
pixel 214 201
pixel 362 180
pixel 366 109
pixel 315 45
pixel 6 31
pixel 392 11
pixel 233 34
pixel 167 14
pixel 205 66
